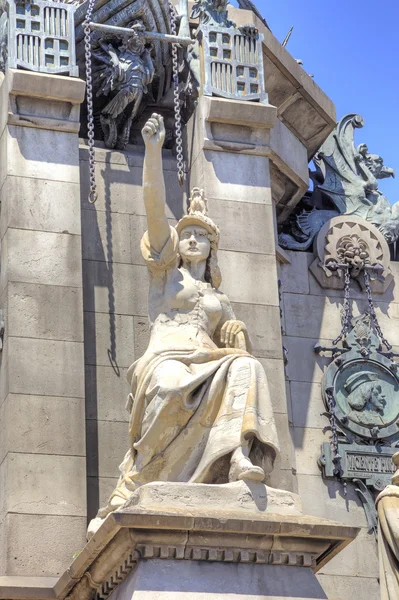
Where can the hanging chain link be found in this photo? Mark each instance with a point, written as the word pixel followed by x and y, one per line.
pixel 176 100
pixel 346 320
pixel 372 311
pixel 334 440
pixel 89 93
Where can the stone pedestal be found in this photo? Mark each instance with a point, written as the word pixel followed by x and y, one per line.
pixel 195 541
pixel 42 448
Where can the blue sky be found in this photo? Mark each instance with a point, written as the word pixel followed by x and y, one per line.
pixel 352 49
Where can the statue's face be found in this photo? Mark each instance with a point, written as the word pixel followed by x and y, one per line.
pixel 377 398
pixel 194 245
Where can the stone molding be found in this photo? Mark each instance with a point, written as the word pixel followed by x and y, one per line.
pixel 29 97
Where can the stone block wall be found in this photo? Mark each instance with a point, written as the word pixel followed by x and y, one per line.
pixel 42 448
pixel 311 314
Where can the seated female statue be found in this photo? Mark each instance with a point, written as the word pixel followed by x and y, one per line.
pixel 200 407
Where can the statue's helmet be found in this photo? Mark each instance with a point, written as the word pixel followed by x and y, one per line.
pixel 198 215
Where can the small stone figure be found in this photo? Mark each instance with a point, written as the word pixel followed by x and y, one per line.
pixel 388 536
pixel 212 12
pixel 128 71
pixel 200 407
pixel 3 35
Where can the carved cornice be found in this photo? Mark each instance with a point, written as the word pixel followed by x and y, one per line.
pixel 132 534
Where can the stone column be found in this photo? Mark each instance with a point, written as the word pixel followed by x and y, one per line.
pixel 42 450
pixel 229 149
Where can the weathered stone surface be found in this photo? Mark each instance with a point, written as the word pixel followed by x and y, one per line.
pixel 41 205
pixel 52 485
pixel 326 321
pixel 325 316
pixel 112 440
pixel 43 425
pixel 42 154
pixel 246 498
pixel 326 499
pixel 283 479
pixel 106 236
pixel 119 184
pixel 110 339
pixel 290 150
pixel 307 444
pixel 45 311
pixel 257 280
pixel 263 323
pixel 4 372
pixel 303 364
pixel 295 276
pixel 42 257
pixel 45 367
pixel 122 288
pixel 246 226
pixel 342 588
pixel 3 159
pixel 46 556
pixel 222 175
pixel 307 405
pixel 360 559
pixel 106 393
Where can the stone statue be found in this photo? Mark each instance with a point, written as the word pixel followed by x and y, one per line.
pixel 345 183
pixel 200 407
pixel 127 70
pixel 366 399
pixel 3 35
pixel 388 536
pixel 212 12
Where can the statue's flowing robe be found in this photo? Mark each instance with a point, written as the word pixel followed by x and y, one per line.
pixel 192 403
pixel 388 542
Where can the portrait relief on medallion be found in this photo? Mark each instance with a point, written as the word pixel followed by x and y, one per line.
pixel 365 394
pixel 366 398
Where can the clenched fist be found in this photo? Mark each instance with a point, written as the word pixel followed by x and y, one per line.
pixel 153 132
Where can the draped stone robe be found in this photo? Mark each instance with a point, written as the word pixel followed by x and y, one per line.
pixel 192 403
pixel 388 542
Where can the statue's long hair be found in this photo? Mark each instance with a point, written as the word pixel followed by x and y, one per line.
pixel 212 270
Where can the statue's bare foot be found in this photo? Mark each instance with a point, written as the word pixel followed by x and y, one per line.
pixel 241 468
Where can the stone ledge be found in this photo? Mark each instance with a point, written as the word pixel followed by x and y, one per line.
pixel 237 112
pixel 27 587
pixel 43 85
pixel 42 101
